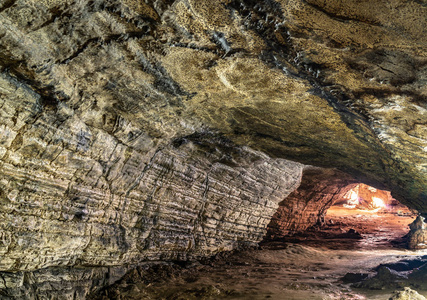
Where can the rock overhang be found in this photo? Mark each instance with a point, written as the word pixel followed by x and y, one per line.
pixel 93 91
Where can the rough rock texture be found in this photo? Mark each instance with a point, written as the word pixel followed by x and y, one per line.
pixel 58 282
pixel 190 200
pixel 307 206
pixel 386 278
pixel 129 129
pixel 331 84
pixel 407 294
pixel 399 275
pixel 417 237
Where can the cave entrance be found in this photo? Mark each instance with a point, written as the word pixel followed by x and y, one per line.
pixel 366 217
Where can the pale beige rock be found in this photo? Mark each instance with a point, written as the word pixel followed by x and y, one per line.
pixel 417 238
pixel 407 294
pixel 158 130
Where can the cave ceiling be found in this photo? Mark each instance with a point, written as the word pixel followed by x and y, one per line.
pixel 337 84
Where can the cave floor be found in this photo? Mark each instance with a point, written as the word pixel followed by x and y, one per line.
pixel 358 229
pixel 307 267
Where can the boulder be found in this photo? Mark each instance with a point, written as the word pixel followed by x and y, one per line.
pixel 417 237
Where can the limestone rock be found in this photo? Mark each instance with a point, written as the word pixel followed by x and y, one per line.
pixel 419 274
pixel 407 294
pixel 62 283
pixel 417 237
pixel 158 130
pixel 354 277
pixel 187 200
pixel 418 224
pixel 319 190
pixel 326 84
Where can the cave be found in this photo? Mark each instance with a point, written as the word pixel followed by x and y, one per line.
pixel 340 216
pixel 196 149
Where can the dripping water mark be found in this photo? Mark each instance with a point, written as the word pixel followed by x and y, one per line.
pixel 266 19
pixel 219 39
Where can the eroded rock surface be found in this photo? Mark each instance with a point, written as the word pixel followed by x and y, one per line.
pixel 137 130
pixel 307 206
pixel 407 293
pixel 188 200
pixel 417 237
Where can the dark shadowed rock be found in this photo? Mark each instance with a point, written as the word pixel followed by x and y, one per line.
pixel 354 277
pixel 407 294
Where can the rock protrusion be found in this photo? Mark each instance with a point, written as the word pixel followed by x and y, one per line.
pixel 407 294
pixel 418 234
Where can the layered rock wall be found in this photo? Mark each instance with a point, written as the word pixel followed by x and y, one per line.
pixel 325 84
pixel 76 195
pixel 307 206
pixel 146 130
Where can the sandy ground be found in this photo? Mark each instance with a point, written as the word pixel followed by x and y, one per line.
pixel 310 266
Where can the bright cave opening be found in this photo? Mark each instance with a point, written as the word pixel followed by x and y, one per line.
pixel 367 198
pixel 341 215
pixel 366 217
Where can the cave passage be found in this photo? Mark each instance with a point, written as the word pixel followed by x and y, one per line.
pixel 356 216
pixel 369 218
